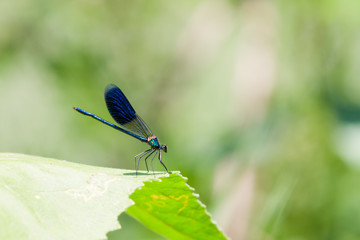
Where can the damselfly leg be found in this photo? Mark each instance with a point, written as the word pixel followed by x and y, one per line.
pixel 161 161
pixel 140 156
pixel 147 158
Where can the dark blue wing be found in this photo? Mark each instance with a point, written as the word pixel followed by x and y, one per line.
pixel 123 113
pixel 118 105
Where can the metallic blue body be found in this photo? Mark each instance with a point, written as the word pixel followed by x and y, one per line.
pixel 154 143
pixel 111 125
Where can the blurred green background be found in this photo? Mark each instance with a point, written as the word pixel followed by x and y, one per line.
pixel 258 101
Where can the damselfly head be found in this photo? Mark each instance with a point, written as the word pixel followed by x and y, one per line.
pixel 164 148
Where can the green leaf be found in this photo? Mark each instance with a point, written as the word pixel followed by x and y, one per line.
pixel 42 198
pixel 170 208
